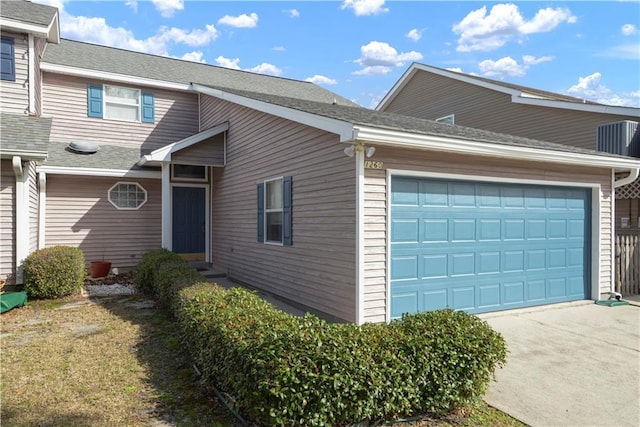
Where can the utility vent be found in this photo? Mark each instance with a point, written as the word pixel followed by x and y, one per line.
pixel 619 138
pixel 83 147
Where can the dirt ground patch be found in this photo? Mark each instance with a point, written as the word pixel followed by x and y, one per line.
pixel 99 361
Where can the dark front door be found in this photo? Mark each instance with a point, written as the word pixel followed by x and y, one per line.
pixel 189 222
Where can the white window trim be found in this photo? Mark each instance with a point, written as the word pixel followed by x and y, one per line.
pixel 111 102
pixel 448 119
pixel 266 211
pixel 146 196
pixel 183 179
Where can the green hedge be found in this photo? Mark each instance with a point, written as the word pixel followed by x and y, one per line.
pixel 284 370
pixel 54 272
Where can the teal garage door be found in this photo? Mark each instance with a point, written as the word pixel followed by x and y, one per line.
pixel 483 247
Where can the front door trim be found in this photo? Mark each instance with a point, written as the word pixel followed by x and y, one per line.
pixel 207 210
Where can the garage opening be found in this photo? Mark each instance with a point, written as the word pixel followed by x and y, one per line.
pixel 484 246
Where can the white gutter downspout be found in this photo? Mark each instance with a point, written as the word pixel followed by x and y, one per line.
pixel 32 76
pixel 166 206
pixel 22 219
pixel 633 175
pixel 42 208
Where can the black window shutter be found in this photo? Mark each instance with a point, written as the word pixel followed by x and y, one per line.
pixel 287 211
pixel 261 212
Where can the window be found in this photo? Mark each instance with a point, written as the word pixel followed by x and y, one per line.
pixel 127 195
pixel 7 59
pixel 188 173
pixel 450 119
pixel 275 211
pixel 120 103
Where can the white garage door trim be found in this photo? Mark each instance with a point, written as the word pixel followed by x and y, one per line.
pixel 596 195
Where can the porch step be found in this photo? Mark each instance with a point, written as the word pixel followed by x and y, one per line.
pixel 207 270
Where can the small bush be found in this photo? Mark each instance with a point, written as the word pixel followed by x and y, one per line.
pixel 146 277
pixel 54 272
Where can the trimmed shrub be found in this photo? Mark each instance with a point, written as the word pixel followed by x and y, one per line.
pixel 281 370
pixel 54 272
pixel 145 277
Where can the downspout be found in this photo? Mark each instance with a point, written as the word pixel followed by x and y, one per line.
pixel 633 175
pixel 42 208
pixel 22 219
pixel 31 109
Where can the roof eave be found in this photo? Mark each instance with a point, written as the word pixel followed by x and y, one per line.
pixel 157 157
pixel 24 154
pixel 342 128
pixel 105 75
pixel 51 32
pixel 462 146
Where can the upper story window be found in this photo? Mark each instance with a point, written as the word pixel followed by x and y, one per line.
pixel 7 59
pixel 275 218
pixel 120 103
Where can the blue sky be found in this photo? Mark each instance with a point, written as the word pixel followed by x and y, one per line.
pixel 360 48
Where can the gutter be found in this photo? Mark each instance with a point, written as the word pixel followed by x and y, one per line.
pixel 633 175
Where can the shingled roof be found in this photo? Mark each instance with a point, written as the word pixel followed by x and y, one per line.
pixel 92 57
pixel 402 123
pixel 25 11
pixel 20 133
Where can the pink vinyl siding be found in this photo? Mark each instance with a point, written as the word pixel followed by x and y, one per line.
pixel 319 269
pixel 65 99
pixel 7 221
pixel 14 95
pixel 431 96
pixel 208 152
pixel 426 161
pixel 79 214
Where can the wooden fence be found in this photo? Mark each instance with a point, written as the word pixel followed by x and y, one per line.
pixel 628 264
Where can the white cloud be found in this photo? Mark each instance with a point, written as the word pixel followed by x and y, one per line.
pixel 279 48
pixel 293 13
pixel 365 7
pixel 455 69
pixel 625 51
pixel 195 56
pixel 509 67
pixel 414 34
pixel 168 8
pixel 506 66
pixel 591 88
pixel 629 29
pixel 479 31
pixel 266 68
pixel 228 62
pixel 241 21
pixel 234 64
pixel 380 58
pixel 133 4
pixel 321 80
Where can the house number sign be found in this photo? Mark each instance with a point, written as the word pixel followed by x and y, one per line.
pixel 370 164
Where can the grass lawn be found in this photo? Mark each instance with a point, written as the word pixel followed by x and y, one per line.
pixel 109 361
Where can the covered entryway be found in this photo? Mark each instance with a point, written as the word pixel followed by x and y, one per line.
pixel 189 222
pixel 485 246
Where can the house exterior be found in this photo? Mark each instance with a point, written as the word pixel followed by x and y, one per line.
pixel 467 100
pixel 359 215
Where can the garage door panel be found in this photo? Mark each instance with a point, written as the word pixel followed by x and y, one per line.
pixel 485 246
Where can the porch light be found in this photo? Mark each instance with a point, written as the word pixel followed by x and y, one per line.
pixel 352 148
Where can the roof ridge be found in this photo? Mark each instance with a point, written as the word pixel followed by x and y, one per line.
pixel 186 61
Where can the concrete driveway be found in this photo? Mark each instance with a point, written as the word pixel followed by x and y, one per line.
pixel 575 364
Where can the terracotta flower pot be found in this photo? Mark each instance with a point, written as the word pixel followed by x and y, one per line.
pixel 99 268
